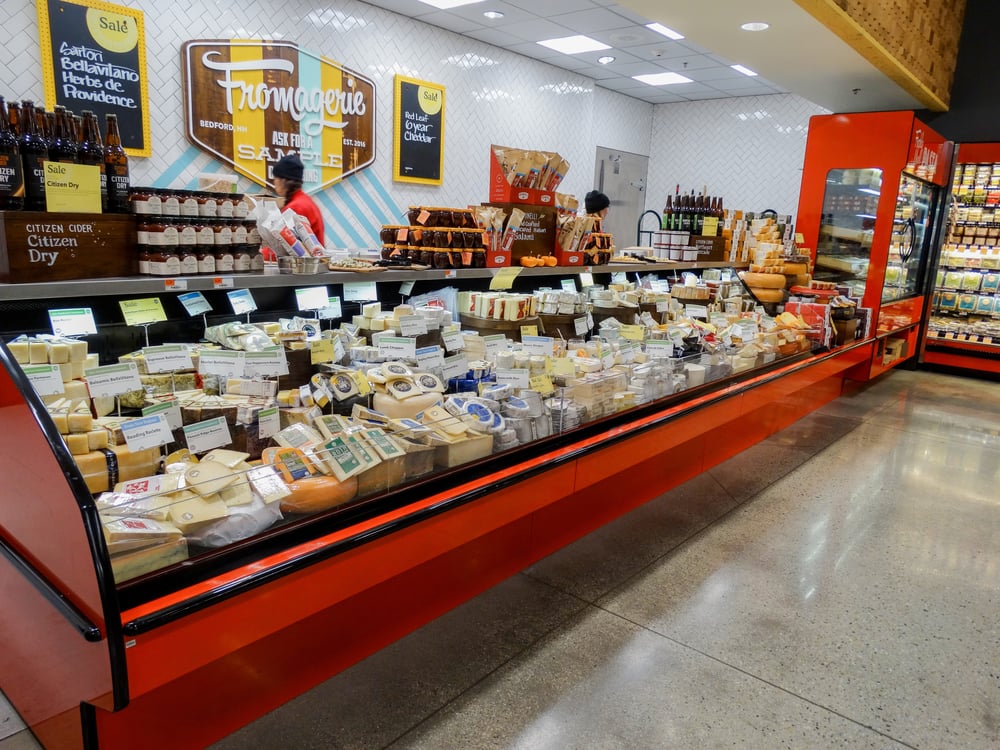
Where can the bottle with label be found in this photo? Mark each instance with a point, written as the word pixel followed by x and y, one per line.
pixel 64 147
pixel 116 164
pixel 11 169
pixel 668 214
pixel 685 214
pixel 34 151
pixel 92 151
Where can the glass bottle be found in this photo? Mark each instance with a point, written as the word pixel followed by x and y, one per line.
pixel 34 151
pixel 11 169
pixel 116 164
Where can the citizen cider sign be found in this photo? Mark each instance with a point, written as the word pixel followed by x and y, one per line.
pixel 251 102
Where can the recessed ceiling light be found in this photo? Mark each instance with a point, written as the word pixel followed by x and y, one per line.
pixel 607 59
pixel 662 79
pixel 743 70
pixel 659 28
pixel 448 4
pixel 493 15
pixel 755 26
pixel 572 45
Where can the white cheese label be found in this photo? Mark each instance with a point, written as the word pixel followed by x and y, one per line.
pixel 406 287
pixel 171 410
pixel 412 325
pixel 147 432
pixel 539 345
pixel 45 379
pixel 430 358
pixel 113 380
pixel 618 277
pixel 568 285
pixel 518 378
pixel 657 349
pixel 495 344
pixel 364 291
pixel 268 363
pixel 453 340
pixel 332 309
pixel 696 311
pixel 586 279
pixel 242 301
pixel 222 362
pixel 195 303
pixel 581 326
pixel 204 436
pixel 455 367
pixel 167 358
pixel 73 322
pixel 663 306
pixel 312 298
pixel 395 347
pixel 269 422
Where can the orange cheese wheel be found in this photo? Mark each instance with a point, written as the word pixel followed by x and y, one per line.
pixel 801 279
pixel 789 268
pixel 313 494
pixel 768 295
pixel 764 280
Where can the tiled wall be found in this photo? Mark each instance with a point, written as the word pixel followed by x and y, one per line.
pixel 493 96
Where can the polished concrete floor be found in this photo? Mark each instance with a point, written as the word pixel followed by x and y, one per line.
pixel 837 585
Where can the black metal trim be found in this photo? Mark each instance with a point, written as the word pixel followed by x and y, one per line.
pixel 51 594
pixel 110 608
pixel 183 609
pixel 88 727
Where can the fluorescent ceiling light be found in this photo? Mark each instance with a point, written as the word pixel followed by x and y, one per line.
pixel 755 26
pixel 572 45
pixel 447 4
pixel 662 79
pixel 606 60
pixel 493 15
pixel 743 70
pixel 659 28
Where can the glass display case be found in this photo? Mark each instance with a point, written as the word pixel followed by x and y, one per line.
pixel 850 208
pixel 908 245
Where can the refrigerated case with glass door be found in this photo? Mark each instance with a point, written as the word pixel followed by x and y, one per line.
pixel 868 207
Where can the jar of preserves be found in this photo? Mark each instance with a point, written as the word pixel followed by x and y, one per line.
pixel 207 206
pixel 223 247
pixel 170 204
pixel 240 208
pixel 188 203
pixel 145 202
pixel 241 255
pixel 142 244
pixel 441 258
pixel 187 246
pixel 224 205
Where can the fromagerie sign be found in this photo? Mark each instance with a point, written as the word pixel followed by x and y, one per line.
pixel 250 102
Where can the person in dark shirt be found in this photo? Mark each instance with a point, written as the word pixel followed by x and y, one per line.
pixel 288 184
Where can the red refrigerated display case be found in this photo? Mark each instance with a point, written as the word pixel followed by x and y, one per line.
pixel 868 207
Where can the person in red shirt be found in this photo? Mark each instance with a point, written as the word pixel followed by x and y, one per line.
pixel 288 184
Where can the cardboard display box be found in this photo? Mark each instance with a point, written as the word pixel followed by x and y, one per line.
pixel 538 232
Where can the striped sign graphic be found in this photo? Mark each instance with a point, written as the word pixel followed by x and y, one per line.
pixel 250 102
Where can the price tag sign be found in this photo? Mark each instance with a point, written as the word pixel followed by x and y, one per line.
pixel 364 291
pixel 542 384
pixel 195 303
pixel 696 311
pixel 504 278
pixel 568 285
pixel 138 312
pixel 167 358
pixel 495 344
pixel 412 325
pixel 113 380
pixel 312 298
pixel 657 349
pixel 586 279
pixel 719 320
pixel 619 278
pixel 455 367
pixel 406 287
pixel 364 387
pixel 222 362
pixel 242 301
pixel 540 345
pixel 748 330
pixel 663 306
pixel 518 378
pixel 581 326
pixel 175 285
pixel 268 363
pixel 269 422
pixel 453 341
pixel 222 282
pixel 632 332
pixel 45 379
pixel 397 347
pixel 608 360
pixel 147 432
pixel 332 309
pixel 628 352
pixel 430 358
pixel 564 367
pixel 528 331
pixel 204 436
pixel 78 321
pixel 171 410
pixel 321 350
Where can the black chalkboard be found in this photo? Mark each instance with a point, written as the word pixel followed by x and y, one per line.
pixel 96 60
pixel 419 131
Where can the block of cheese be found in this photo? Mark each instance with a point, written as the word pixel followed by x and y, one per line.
pixel 38 353
pixel 190 510
pixel 208 478
pixel 58 354
pixel 80 421
pixel 131 533
pixel 128 565
pixel 97 440
pixel 228 458
pixel 77 444
pixel 21 351
pixel 371 309
pixel 238 493
pixel 438 419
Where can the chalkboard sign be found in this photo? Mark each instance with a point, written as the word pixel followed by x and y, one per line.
pixel 94 57
pixel 418 132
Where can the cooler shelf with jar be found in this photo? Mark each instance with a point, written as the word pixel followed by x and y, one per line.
pixel 963 330
pixel 121 659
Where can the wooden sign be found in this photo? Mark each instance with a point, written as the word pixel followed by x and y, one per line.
pixel 250 102
pixel 94 57
pixel 418 132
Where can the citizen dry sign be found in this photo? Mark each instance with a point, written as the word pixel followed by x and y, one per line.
pixel 250 102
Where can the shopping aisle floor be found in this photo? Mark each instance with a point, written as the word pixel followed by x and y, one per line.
pixel 835 586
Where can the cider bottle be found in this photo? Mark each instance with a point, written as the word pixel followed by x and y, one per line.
pixel 116 166
pixel 11 169
pixel 34 152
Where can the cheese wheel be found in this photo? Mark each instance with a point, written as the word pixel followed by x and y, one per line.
pixel 768 295
pixel 801 279
pixel 763 280
pixel 790 268
pixel 314 494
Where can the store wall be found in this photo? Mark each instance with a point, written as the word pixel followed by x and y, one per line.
pixel 493 96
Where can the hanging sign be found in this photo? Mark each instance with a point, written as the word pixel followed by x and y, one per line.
pixel 418 132
pixel 94 57
pixel 249 102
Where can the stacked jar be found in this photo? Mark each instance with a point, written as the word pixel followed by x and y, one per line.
pixel 435 237
pixel 188 232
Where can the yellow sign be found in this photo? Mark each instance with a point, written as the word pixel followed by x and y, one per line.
pixel 800 239
pixel 321 351
pixel 138 312
pixel 542 384
pixel 364 387
pixel 72 188
pixel 563 366
pixel 504 278
pixel 632 333
pixel 529 331
pixel 710 226
pixel 418 132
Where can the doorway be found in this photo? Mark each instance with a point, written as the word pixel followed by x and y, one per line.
pixel 621 176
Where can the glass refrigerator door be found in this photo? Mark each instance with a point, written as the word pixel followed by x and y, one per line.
pixel 850 205
pixel 907 246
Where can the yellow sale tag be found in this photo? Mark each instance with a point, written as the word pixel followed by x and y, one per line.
pixel 140 311
pixel 631 332
pixel 321 351
pixel 504 278
pixel 563 366
pixel 710 227
pixel 542 384
pixel 800 239
pixel 529 331
pixel 364 387
pixel 72 188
